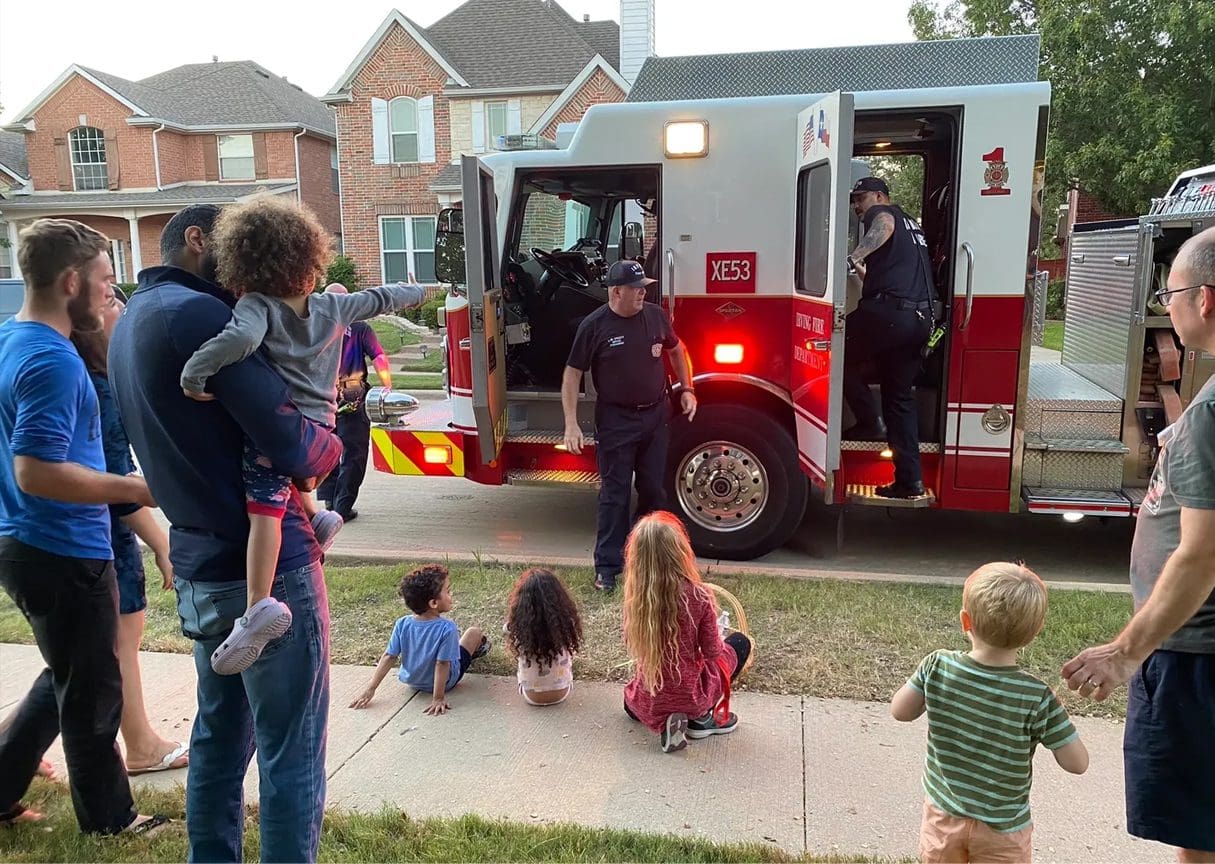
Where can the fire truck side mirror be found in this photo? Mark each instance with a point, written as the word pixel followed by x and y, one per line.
pixel 449 246
pixel 633 243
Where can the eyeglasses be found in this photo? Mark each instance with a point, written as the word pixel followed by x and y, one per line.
pixel 1165 296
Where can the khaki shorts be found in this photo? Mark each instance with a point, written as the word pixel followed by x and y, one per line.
pixel 946 839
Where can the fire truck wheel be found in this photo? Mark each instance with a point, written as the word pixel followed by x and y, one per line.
pixel 735 481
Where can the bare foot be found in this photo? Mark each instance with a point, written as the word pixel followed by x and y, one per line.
pixel 46 769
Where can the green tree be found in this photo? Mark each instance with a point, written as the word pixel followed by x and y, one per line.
pixel 905 177
pixel 1132 81
pixel 341 269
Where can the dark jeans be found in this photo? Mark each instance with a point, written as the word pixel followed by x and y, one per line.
pixel 279 707
pixel 341 488
pixel 630 447
pixel 72 607
pixel 892 339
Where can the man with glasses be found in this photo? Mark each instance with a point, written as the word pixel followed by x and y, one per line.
pixel 1167 651
pixel 622 344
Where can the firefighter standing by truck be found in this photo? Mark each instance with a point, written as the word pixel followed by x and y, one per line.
pixel 890 326
pixel 622 344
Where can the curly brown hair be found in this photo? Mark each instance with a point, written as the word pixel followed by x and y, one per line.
pixel 418 587
pixel 270 245
pixel 542 619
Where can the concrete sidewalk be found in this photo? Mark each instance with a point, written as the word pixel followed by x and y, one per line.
pixel 818 775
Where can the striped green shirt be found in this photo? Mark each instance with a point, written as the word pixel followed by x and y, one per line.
pixel 984 723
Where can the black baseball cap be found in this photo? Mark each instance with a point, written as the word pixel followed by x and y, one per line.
pixel 870 184
pixel 628 274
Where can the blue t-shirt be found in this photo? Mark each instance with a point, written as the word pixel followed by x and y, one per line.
pixel 421 644
pixel 48 411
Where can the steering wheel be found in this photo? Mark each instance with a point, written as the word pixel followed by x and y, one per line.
pixel 550 263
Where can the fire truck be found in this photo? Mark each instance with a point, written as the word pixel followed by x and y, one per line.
pixel 746 202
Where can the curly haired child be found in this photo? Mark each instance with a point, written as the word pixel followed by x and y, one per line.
pixel 544 631
pixel 683 666
pixel 269 254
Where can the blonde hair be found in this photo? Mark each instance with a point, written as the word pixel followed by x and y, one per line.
pixel 1006 604
pixel 658 563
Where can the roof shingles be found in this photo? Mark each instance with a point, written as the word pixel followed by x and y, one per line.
pixel 12 153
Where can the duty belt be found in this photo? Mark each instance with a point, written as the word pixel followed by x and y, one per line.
pixel 644 407
pixel 900 303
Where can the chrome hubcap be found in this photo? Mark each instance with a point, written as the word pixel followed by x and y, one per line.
pixel 722 486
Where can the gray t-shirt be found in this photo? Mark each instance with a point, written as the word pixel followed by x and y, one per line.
pixel 306 350
pixel 1184 477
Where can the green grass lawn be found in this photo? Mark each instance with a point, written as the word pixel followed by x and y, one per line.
pixel 828 638
pixel 432 362
pixel 393 338
pixel 389 835
pixel 412 381
pixel 1052 336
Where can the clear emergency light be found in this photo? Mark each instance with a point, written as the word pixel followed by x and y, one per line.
pixel 528 141
pixel 686 139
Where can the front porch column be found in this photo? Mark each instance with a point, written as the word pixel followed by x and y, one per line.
pixel 12 249
pixel 136 254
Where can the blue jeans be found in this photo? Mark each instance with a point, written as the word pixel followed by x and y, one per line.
pixel 279 707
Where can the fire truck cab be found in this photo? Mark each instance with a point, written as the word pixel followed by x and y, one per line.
pixel 740 208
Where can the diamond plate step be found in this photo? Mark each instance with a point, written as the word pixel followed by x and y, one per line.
pixel 1074 445
pixel 537 477
pixel 878 446
pixel 533 436
pixel 866 495
pixel 1041 499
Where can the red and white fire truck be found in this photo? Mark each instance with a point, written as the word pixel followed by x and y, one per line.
pixel 747 201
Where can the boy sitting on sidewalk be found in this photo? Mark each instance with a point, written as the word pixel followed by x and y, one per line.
pixel 985 719
pixel 433 655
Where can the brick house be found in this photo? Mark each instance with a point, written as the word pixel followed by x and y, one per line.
pixel 14 174
pixel 417 98
pixel 123 156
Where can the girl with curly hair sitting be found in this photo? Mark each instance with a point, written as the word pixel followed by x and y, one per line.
pixel 544 631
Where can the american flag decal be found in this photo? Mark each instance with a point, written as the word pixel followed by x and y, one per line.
pixel 808 137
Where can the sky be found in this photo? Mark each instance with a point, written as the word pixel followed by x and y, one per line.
pixel 137 38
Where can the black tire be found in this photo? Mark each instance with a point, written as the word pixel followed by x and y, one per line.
pixel 784 489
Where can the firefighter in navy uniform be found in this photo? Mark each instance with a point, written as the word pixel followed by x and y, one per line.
pixel 622 344
pixel 889 327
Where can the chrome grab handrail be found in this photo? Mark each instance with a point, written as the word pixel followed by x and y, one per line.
pixel 671 282
pixel 970 283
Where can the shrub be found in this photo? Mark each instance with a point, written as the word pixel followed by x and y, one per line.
pixel 1055 299
pixel 341 270
pixel 430 312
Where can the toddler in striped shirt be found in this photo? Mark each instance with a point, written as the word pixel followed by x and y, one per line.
pixel 986 717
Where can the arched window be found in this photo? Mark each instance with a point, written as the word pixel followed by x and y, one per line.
pixel 88 159
pixel 403 126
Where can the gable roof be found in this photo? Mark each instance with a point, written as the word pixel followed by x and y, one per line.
pixel 945 63
pixel 12 155
pixel 501 44
pixel 235 93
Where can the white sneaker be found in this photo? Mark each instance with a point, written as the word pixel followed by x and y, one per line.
pixel 263 622
pixel 326 525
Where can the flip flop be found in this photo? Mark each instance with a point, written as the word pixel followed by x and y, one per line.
pixel 166 763
pixel 17 814
pixel 149 827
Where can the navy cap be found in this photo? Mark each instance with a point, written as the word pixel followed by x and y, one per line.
pixel 627 274
pixel 871 184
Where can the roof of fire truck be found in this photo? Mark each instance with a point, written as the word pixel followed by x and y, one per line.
pixel 900 66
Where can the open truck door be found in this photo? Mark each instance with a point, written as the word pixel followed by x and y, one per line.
pixel 824 178
pixel 484 281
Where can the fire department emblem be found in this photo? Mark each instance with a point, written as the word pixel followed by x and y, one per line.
pixel 996 173
pixel 729 310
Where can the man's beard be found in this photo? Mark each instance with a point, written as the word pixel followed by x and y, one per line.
pixel 80 311
pixel 208 269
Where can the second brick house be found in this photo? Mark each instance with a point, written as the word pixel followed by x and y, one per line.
pixel 123 156
pixel 417 98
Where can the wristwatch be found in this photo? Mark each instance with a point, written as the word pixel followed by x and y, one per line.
pixel 851 263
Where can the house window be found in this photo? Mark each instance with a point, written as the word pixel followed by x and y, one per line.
pixel 118 252
pixel 495 122
pixel 88 159
pixel 407 245
pixel 236 157
pixel 6 253
pixel 403 126
pixel 333 169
